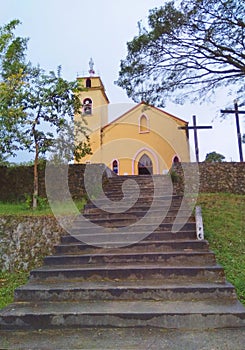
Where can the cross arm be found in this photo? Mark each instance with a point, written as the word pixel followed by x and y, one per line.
pixel 231 111
pixel 194 127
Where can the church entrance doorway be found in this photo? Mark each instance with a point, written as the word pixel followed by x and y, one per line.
pixel 145 165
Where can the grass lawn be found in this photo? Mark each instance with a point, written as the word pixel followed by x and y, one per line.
pixel 22 209
pixel 224 226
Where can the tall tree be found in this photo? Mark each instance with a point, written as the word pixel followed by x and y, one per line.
pixel 36 107
pixel 50 103
pixel 187 51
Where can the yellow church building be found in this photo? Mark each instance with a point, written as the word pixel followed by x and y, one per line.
pixel 143 140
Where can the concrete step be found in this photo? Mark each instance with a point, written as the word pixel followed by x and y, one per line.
pixel 143 246
pixel 106 338
pixel 142 181
pixel 139 207
pixel 134 184
pixel 85 228
pixel 91 213
pixel 105 239
pixel 139 178
pixel 158 200
pixel 144 195
pixel 156 314
pixel 161 198
pixel 130 234
pixel 124 290
pixel 111 237
pixel 128 271
pixel 137 211
pixel 173 258
pixel 125 220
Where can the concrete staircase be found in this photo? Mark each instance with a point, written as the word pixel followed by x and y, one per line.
pixel 167 279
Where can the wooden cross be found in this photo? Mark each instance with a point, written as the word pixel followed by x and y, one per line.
pixel 195 127
pixel 239 137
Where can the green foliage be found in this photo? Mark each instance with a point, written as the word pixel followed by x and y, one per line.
pixel 224 227
pixel 189 49
pixel 4 161
pixel 41 163
pixel 8 283
pixel 36 108
pixel 42 203
pixel 12 76
pixel 50 104
pixel 174 176
pixel 25 208
pixel 28 201
pixel 214 157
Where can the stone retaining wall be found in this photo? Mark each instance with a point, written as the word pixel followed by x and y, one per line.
pixel 26 240
pixel 213 177
pixel 17 182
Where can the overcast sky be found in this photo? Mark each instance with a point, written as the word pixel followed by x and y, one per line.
pixel 69 32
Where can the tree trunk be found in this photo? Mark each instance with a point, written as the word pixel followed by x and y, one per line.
pixel 35 184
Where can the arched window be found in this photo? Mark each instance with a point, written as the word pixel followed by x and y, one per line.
pixel 115 166
pixel 87 106
pixel 88 83
pixel 176 159
pixel 145 165
pixel 143 124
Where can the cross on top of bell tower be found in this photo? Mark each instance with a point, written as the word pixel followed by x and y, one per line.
pixel 91 67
